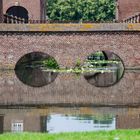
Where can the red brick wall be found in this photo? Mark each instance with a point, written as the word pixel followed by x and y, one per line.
pixel 128 121
pixel 0 10
pixel 67 48
pixel 34 7
pixel 69 89
pixel 43 9
pixel 30 123
pixel 128 8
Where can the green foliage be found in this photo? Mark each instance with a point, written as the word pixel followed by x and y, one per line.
pixel 78 64
pixel 45 63
pixel 81 10
pixel 50 63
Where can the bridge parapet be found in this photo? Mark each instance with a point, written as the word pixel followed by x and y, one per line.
pixel 75 27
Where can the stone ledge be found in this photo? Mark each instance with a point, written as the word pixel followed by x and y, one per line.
pixel 71 27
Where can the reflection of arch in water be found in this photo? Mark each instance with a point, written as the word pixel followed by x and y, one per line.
pixel 19 12
pixel 104 60
pixel 30 69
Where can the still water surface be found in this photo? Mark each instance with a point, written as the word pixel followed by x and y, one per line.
pixel 68 104
pixel 68 119
pixel 68 123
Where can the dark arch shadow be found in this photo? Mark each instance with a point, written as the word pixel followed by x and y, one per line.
pixel 19 12
pixel 109 69
pixel 30 69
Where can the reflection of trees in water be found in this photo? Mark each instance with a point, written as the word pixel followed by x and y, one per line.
pixel 102 119
pixel 104 60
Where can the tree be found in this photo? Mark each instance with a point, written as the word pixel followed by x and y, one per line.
pixel 81 10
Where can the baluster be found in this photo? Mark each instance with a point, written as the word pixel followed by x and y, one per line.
pixel 23 20
pixel 8 19
pixel 18 20
pixel 133 19
pixel 5 19
pixel 138 18
pixel 12 19
pixel 129 20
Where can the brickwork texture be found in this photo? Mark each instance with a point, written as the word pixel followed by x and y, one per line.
pixel 68 47
pixel 35 8
pixel 127 8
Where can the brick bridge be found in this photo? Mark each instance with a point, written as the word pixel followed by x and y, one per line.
pixel 68 43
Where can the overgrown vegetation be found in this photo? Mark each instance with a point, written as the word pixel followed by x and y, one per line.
pixel 81 10
pixel 111 135
pixel 49 63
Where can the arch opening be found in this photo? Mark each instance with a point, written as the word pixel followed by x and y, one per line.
pixel 19 12
pixel 108 68
pixel 35 69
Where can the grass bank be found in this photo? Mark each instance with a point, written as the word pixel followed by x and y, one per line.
pixel 111 135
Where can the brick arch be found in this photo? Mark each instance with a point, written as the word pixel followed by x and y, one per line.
pixel 11 5
pixel 19 12
pixel 32 6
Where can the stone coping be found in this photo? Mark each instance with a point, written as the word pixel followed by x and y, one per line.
pixel 69 27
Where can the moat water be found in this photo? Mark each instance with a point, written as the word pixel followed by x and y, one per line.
pixel 68 119
pixel 69 103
